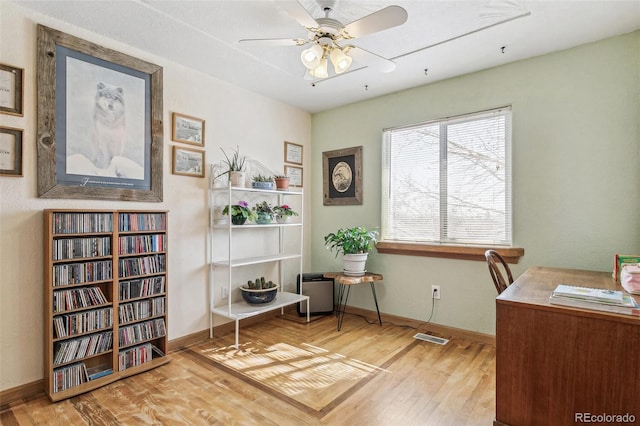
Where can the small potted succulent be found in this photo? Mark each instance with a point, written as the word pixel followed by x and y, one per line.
pixel 259 292
pixel 355 244
pixel 264 213
pixel 284 213
pixel 262 182
pixel 240 213
pixel 282 182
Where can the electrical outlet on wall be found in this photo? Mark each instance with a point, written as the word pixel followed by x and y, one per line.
pixel 435 291
pixel 224 293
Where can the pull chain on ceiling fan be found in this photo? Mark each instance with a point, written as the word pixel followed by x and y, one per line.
pixel 327 37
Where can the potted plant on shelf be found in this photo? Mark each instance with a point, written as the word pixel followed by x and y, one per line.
pixel 260 292
pixel 240 213
pixel 355 244
pixel 262 182
pixel 284 213
pixel 282 182
pixel 235 167
pixel 264 213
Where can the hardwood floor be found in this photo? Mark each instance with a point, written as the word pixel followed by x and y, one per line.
pixel 290 373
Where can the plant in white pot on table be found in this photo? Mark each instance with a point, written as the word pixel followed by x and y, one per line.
pixel 354 244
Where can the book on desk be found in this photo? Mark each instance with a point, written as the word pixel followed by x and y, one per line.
pixel 595 299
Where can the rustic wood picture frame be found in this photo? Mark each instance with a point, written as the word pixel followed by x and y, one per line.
pixel 187 129
pixel 12 90
pixel 342 177
pixel 11 147
pixel 293 153
pixel 53 47
pixel 188 162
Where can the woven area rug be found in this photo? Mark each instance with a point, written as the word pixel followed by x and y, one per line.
pixel 307 376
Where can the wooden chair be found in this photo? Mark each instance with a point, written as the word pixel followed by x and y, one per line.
pixel 493 258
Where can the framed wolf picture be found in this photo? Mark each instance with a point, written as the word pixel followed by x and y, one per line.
pixel 99 122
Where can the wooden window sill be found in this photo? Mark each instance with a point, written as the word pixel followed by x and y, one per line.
pixel 510 254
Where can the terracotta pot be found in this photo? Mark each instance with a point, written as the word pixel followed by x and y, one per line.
pixel 282 183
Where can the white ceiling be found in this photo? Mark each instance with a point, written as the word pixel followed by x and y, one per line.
pixel 204 35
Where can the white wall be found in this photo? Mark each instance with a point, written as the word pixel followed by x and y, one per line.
pixel 576 174
pixel 233 116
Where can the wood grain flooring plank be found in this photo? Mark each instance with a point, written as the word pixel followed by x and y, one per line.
pixel 395 380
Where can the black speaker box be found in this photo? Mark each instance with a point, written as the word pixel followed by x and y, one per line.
pixel 320 292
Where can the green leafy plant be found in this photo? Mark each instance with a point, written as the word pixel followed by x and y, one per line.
pixel 280 176
pixel 351 240
pixel 235 163
pixel 240 209
pixel 284 210
pixel 263 207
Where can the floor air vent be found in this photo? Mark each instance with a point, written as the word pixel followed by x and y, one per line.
pixel 432 339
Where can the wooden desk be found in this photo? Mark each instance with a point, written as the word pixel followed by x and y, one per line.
pixel 553 362
pixel 346 281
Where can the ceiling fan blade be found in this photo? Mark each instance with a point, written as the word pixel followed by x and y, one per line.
pixel 386 18
pixel 275 41
pixel 298 12
pixel 372 60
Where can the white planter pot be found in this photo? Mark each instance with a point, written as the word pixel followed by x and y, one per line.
pixel 354 264
pixel 237 179
pixel 282 219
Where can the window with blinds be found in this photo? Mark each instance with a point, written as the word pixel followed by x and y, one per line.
pixel 449 181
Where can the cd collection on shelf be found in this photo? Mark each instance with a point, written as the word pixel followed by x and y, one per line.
pixel 82 347
pixel 82 223
pixel 133 222
pixel 74 248
pixel 140 332
pixel 78 273
pixel 141 309
pixel 134 266
pixel 141 288
pixel 133 244
pixel 77 298
pixel 82 320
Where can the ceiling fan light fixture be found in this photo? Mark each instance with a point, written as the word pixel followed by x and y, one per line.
pixel 321 70
pixel 312 56
pixel 341 62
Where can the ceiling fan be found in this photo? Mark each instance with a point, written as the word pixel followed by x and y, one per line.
pixel 329 38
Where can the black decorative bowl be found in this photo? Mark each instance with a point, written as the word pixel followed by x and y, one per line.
pixel 259 297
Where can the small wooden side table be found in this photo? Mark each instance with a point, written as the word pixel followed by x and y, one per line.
pixel 346 281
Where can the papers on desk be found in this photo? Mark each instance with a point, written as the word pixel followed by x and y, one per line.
pixel 595 298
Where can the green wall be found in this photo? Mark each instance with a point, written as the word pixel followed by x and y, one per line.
pixel 576 174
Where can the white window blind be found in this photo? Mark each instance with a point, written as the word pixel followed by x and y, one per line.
pixel 449 181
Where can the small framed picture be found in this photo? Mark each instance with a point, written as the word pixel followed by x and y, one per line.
pixel 342 177
pixel 292 153
pixel 11 90
pixel 295 175
pixel 187 129
pixel 188 162
pixel 10 151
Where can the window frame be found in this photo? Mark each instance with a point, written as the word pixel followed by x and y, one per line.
pixel 467 251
